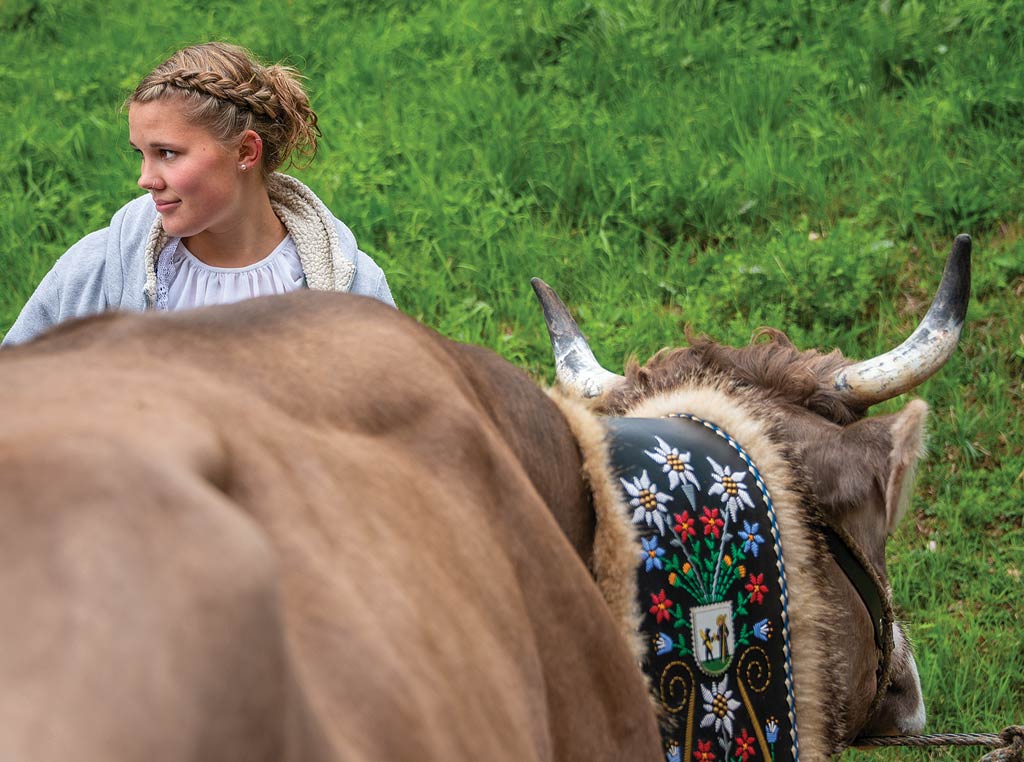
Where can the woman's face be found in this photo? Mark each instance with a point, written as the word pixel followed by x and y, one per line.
pixel 194 179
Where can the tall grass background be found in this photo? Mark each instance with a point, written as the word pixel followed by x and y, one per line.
pixel 725 165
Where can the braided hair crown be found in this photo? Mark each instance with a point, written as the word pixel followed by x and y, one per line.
pixel 227 90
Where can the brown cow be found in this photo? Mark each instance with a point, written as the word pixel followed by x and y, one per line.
pixel 309 528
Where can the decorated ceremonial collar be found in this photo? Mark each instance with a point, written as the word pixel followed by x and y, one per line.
pixel 712 584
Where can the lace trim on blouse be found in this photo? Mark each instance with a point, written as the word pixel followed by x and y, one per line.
pixel 183 281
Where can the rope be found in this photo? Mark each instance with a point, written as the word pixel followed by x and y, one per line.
pixel 1007 746
pixel 1013 746
pixel 992 740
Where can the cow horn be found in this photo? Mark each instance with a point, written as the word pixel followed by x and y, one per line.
pixel 575 364
pixel 881 378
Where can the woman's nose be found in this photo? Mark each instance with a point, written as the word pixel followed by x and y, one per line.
pixel 148 180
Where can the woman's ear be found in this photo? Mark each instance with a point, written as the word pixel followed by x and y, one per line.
pixel 250 150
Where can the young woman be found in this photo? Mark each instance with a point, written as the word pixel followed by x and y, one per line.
pixel 211 126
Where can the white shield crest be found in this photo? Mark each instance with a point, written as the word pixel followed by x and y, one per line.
pixel 713 641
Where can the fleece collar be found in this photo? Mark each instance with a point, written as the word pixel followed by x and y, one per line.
pixel 308 221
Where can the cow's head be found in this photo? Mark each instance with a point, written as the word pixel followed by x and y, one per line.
pixel 854 473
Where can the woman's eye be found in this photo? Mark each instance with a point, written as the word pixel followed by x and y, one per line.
pixel 167 154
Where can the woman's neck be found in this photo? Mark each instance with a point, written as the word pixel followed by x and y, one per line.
pixel 250 239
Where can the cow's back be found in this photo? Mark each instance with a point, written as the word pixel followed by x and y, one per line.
pixel 366 524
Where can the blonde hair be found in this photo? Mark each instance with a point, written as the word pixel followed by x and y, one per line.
pixel 228 91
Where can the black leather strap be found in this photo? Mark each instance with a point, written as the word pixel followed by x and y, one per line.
pixel 864 582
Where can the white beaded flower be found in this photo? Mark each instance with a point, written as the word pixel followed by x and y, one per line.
pixel 647 501
pixel 674 463
pixel 729 484
pixel 719 705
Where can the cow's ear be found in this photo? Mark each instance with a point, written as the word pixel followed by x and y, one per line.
pixel 908 445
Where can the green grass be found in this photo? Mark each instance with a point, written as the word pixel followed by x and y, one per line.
pixel 721 164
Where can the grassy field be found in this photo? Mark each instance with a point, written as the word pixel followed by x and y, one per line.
pixel 724 165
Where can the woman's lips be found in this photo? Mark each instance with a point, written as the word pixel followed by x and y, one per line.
pixel 164 206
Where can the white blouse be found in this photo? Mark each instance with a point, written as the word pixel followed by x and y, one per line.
pixel 193 283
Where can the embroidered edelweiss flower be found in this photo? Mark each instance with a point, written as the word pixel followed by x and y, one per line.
pixel 745 745
pixel 674 463
pixel 704 753
pixel 651 553
pixel 660 606
pixel 719 705
pixel 647 501
pixel 751 539
pixel 729 484
pixel 662 644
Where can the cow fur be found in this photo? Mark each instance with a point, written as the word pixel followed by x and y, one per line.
pixel 297 528
pixel 778 370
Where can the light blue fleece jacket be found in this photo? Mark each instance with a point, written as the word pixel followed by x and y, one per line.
pixel 116 268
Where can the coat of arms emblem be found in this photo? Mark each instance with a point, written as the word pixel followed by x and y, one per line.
pixel 713 640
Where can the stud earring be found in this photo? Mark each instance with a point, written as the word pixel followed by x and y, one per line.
pixel 243 168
